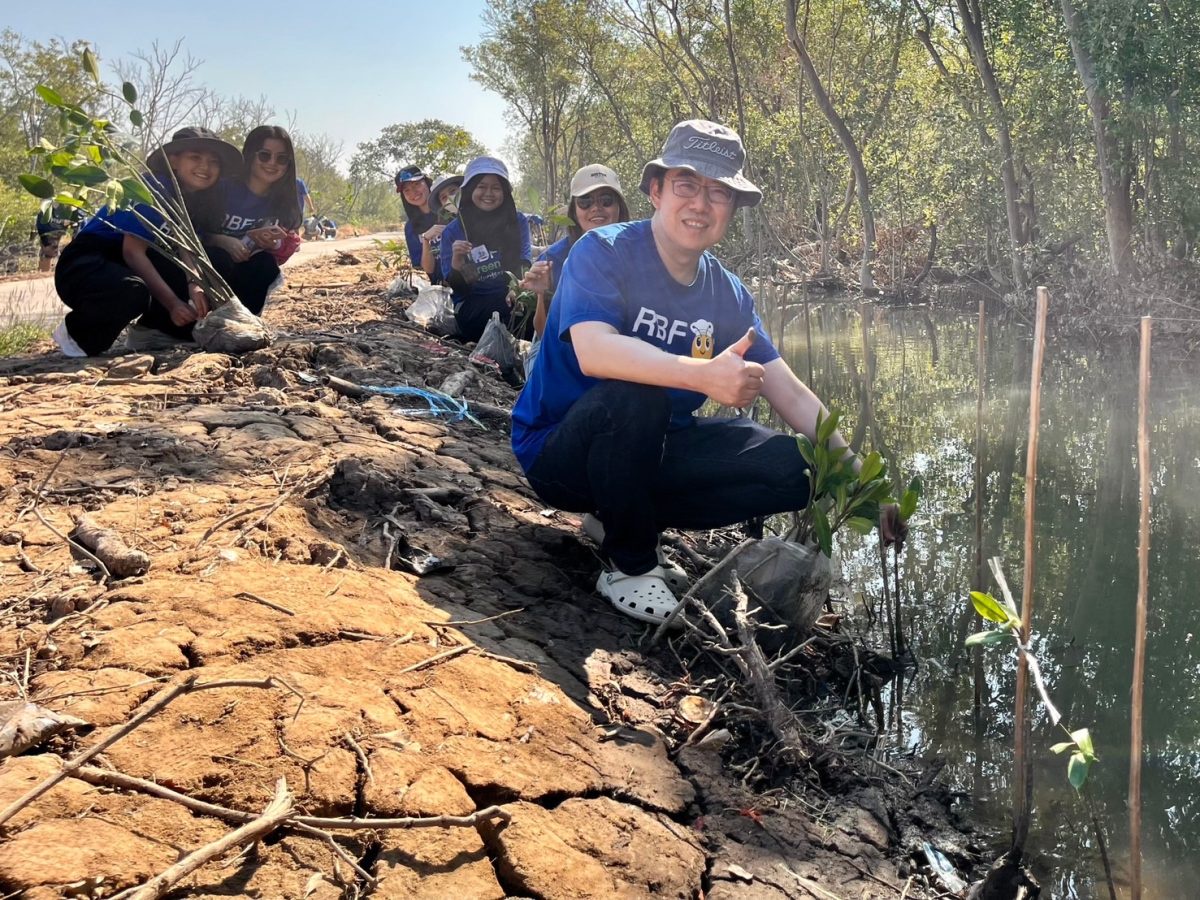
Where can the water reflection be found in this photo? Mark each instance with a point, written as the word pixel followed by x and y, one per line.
pixel 906 383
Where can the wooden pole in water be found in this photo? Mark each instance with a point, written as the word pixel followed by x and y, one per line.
pixel 1023 782
pixel 1139 632
pixel 980 565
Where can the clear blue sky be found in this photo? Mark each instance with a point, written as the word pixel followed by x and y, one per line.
pixel 348 68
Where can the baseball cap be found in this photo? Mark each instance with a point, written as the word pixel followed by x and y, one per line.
pixel 593 178
pixel 410 173
pixel 707 149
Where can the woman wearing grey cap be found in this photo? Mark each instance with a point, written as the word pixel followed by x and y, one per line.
pixel 646 324
pixel 596 201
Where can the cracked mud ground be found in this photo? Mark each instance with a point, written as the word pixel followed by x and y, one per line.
pixel 552 708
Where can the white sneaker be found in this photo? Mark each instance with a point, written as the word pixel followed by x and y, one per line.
pixel 676 578
pixel 66 343
pixel 643 597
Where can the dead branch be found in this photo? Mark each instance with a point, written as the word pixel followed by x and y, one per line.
pixel 246 595
pixel 150 708
pixel 278 811
pixel 110 548
pixel 434 660
pixel 710 577
pixel 311 825
pixel 463 622
pixel 362 757
pixel 37 499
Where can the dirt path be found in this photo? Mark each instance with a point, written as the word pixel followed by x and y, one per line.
pixel 34 300
pixel 437 621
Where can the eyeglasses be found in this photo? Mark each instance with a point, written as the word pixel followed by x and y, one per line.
pixel 605 201
pixel 687 188
pixel 265 156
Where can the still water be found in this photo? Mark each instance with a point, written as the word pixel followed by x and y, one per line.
pixel 909 390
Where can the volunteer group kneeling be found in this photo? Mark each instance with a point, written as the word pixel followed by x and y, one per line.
pixel 637 324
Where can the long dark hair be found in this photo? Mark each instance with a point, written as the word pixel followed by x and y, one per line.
pixel 285 204
pixel 205 208
pixel 421 220
pixel 499 229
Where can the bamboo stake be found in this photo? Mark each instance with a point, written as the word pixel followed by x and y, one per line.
pixel 980 376
pixel 1139 634
pixel 1023 782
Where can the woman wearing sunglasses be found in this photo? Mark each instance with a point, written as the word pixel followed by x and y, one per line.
pixel 262 219
pixel 596 200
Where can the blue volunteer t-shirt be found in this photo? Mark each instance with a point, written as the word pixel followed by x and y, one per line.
pixel 302 192
pixel 493 272
pixel 244 209
pixel 113 225
pixel 615 275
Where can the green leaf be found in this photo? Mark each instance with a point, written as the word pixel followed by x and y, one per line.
pixel 989 607
pixel 1077 770
pixel 90 65
pixel 50 95
pixel 987 638
pixel 822 530
pixel 806 449
pixel 871 467
pixel 860 525
pixel 135 118
pixel 69 200
pixel 77 116
pixel 85 176
pixel 908 503
pixel 1063 747
pixel 136 191
pixel 827 427
pixel 129 92
pixel 36 185
pixel 1083 738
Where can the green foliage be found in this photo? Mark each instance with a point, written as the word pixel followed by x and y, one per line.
pixel 839 495
pixel 393 254
pixel 19 337
pixel 523 307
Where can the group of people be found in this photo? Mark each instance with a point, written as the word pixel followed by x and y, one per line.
pixel 638 323
pixel 246 207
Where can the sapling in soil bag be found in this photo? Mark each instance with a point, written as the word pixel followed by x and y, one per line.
pixel 231 328
pixel 497 347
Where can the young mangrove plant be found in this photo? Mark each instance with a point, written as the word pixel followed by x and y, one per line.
pixel 95 165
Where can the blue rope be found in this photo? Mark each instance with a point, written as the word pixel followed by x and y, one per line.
pixel 439 404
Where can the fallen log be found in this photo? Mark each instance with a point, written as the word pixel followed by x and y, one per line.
pixel 110 548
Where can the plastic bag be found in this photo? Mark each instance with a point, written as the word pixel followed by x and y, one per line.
pixel 232 329
pixel 432 304
pixel 497 347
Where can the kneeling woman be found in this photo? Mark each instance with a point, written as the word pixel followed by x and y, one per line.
pixel 261 226
pixel 114 270
pixel 488 240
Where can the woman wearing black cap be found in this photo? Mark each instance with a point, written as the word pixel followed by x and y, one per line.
pixel 413 185
pixel 106 274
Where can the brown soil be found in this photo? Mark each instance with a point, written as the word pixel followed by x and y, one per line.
pixel 553 710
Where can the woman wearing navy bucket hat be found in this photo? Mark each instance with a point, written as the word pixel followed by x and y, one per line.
pixel 487 241
pixel 645 326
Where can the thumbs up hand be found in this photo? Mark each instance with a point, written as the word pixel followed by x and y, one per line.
pixel 729 379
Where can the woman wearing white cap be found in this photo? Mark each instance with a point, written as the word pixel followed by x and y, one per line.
pixel 596 200
pixel 487 241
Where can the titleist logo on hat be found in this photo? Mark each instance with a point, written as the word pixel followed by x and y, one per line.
pixel 712 146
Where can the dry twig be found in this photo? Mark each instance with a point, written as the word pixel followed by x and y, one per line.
pixel 246 595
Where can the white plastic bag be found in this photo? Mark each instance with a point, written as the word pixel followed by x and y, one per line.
pixel 432 304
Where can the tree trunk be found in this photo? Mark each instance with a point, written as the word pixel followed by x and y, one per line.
pixel 1118 208
pixel 866 280
pixel 972 26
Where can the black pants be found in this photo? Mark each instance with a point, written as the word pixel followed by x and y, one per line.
pixel 473 313
pixel 105 295
pixel 615 455
pixel 249 280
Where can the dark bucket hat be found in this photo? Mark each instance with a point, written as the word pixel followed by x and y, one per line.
pixel 195 137
pixel 707 149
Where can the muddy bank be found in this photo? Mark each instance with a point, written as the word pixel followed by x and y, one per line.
pixel 437 622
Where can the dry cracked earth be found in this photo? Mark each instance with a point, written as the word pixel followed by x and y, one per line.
pixel 434 624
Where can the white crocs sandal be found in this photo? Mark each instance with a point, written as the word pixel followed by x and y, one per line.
pixel 677 579
pixel 643 597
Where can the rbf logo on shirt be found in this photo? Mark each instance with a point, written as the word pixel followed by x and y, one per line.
pixel 659 328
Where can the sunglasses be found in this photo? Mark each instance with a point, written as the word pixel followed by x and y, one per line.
pixel 604 201
pixel 265 156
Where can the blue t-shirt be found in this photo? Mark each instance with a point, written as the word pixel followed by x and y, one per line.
pixel 301 192
pixel 113 225
pixel 244 209
pixel 493 272
pixel 615 275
